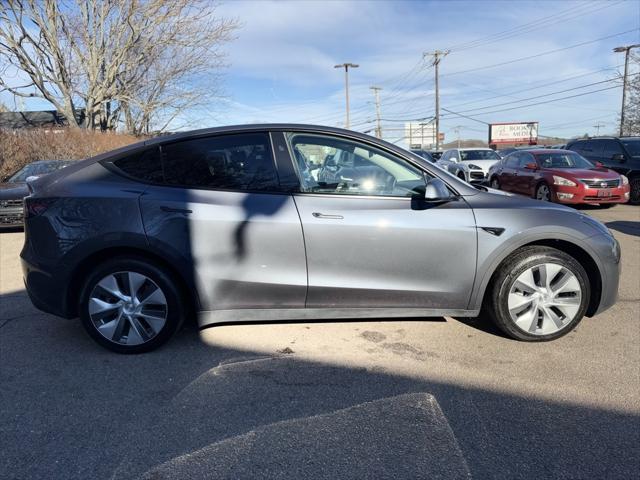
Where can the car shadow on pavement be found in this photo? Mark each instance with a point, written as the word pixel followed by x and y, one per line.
pixel 194 409
pixel 627 227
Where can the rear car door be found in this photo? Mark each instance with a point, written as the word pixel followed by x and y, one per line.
pixel 370 241
pixel 219 207
pixel 525 177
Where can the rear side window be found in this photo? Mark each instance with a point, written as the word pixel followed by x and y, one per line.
pixel 143 165
pixel 229 162
pixel 512 160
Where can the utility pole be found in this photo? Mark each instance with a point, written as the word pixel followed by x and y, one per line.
pixel 597 126
pixel 624 80
pixel 376 91
pixel 457 130
pixel 437 57
pixel 346 67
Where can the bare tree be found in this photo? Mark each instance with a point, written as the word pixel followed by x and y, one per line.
pixel 632 108
pixel 141 60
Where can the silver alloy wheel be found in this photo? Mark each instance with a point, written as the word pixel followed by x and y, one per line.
pixel 128 308
pixel 494 184
pixel 544 299
pixel 543 193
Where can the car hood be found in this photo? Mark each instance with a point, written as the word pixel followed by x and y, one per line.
pixel 584 173
pixel 13 191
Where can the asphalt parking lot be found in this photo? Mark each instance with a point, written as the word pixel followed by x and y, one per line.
pixel 424 398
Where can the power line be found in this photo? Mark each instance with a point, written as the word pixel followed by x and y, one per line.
pixel 549 52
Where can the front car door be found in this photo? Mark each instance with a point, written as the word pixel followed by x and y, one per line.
pixel 610 149
pixel 370 240
pixel 219 208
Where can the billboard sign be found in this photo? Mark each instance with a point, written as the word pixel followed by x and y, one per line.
pixel 420 135
pixel 521 132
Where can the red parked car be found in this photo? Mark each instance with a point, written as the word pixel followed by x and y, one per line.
pixel 559 176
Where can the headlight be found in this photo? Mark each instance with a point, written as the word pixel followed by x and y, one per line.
pixel 563 181
pixel 625 180
pixel 474 167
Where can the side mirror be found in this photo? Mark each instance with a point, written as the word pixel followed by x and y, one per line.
pixel 531 166
pixel 618 157
pixel 436 191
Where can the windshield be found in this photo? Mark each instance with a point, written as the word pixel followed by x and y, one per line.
pixel 38 168
pixel 632 145
pixel 478 155
pixel 562 160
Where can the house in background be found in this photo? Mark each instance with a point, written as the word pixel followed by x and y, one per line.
pixel 44 119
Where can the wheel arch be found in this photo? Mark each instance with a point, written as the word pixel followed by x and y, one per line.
pixel 586 259
pixel 84 266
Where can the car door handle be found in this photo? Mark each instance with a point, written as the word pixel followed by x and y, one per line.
pixel 322 215
pixel 164 208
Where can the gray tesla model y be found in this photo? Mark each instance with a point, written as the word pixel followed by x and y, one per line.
pixel 272 222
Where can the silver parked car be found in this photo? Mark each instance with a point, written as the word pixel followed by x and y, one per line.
pixel 267 222
pixel 470 164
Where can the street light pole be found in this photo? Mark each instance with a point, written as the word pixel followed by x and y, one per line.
pixel 626 50
pixel 376 91
pixel 346 67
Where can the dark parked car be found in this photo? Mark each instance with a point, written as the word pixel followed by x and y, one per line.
pixel 621 154
pixel 13 189
pixel 559 176
pixel 236 225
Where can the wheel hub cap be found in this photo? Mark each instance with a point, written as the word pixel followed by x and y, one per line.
pixel 544 299
pixel 128 308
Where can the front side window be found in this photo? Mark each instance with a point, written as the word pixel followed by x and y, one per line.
pixel 611 148
pixel 227 162
pixel 344 167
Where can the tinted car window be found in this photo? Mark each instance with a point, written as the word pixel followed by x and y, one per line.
pixel 632 145
pixel 142 165
pixel 512 160
pixel 334 165
pixel 228 162
pixel 610 148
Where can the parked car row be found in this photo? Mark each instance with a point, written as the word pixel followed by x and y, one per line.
pixel 13 189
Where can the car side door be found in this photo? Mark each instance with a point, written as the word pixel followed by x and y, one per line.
pixel 220 209
pixel 371 239
pixel 526 177
pixel 613 156
pixel 507 176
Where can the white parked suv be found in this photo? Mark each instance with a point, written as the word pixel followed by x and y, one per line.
pixel 471 163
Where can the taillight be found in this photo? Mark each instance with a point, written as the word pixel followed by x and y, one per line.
pixel 34 207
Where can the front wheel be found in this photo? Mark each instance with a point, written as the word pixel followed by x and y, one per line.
pixel 130 305
pixel 538 294
pixel 543 192
pixel 495 183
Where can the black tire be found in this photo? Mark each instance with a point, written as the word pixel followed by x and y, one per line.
pixel 496 297
pixel 540 186
pixel 175 308
pixel 461 176
pixel 494 180
pixel 634 184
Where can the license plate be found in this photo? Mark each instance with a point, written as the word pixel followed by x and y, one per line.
pixel 604 193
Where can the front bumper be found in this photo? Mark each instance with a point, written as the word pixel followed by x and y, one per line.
pixel 583 194
pixel 609 262
pixel 11 216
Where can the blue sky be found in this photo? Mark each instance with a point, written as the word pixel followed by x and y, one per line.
pixel 281 63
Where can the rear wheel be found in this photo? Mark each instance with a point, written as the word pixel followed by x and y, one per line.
pixel 543 192
pixel 538 294
pixel 130 305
